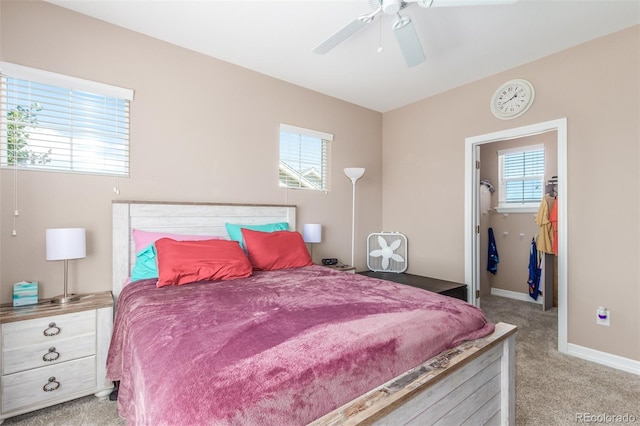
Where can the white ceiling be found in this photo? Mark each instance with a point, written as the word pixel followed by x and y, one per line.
pixel 462 44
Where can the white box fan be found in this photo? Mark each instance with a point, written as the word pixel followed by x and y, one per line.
pixel 387 252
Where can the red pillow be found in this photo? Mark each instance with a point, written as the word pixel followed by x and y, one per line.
pixel 269 251
pixel 184 262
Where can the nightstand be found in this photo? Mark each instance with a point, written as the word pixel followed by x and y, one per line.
pixel 54 353
pixel 343 268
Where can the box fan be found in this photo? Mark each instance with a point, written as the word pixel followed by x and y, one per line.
pixel 387 252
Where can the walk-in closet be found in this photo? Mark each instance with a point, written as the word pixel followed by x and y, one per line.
pixel 518 177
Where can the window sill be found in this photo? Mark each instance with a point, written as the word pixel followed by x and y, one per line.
pixel 519 209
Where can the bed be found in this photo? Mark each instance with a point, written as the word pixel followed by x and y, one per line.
pixel 295 345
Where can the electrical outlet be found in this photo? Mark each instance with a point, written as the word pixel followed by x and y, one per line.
pixel 603 316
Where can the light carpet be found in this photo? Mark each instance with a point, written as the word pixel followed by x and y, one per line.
pixel 554 388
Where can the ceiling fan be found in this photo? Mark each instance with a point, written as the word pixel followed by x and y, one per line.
pixel 402 25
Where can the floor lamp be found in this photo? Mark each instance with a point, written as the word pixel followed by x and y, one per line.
pixel 353 173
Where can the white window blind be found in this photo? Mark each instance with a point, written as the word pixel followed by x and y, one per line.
pixel 304 158
pixel 521 176
pixel 55 122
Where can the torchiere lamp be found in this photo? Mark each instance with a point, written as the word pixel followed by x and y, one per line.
pixel 353 173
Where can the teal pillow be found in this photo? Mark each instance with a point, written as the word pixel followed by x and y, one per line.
pixel 235 233
pixel 145 266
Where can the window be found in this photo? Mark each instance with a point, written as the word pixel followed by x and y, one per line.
pixel 521 173
pixel 304 158
pixel 54 122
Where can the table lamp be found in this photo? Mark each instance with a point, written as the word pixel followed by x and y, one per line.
pixel 312 234
pixel 66 244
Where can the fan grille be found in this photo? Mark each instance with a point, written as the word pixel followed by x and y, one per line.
pixel 387 252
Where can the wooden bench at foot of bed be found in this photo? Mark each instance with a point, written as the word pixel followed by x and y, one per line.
pixel 473 383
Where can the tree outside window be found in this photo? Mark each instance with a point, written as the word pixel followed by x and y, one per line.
pixel 19 121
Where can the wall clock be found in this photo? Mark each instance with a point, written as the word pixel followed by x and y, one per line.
pixel 512 99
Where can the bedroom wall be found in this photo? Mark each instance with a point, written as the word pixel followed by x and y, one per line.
pixel 596 86
pixel 201 130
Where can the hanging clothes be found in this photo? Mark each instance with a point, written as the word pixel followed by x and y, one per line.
pixel 553 218
pixel 545 236
pixel 493 258
pixel 485 199
pixel 486 189
pixel 535 271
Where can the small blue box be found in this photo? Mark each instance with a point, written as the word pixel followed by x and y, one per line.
pixel 25 293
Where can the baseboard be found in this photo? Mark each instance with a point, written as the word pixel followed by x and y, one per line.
pixel 515 295
pixel 604 358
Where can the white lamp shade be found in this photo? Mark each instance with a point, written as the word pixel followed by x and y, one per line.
pixel 354 173
pixel 312 233
pixel 66 243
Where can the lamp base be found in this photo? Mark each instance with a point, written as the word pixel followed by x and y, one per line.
pixel 62 299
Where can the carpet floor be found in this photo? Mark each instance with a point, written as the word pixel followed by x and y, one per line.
pixel 554 388
pixel 551 388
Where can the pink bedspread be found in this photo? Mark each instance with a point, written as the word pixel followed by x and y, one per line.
pixel 281 347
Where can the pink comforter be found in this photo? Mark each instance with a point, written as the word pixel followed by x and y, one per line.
pixel 282 347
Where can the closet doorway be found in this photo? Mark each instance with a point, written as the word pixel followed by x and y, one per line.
pixel 514 227
pixel 473 249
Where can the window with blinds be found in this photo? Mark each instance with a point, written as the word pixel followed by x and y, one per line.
pixel 521 176
pixel 304 158
pixel 51 122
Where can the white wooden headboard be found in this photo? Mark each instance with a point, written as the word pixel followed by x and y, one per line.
pixel 181 218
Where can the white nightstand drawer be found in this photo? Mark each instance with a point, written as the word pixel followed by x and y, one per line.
pixel 30 387
pixel 48 353
pixel 47 330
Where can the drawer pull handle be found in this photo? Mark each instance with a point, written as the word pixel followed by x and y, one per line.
pixel 51 385
pixel 51 356
pixel 54 330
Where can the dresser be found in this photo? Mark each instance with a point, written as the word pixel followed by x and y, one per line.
pixel 54 353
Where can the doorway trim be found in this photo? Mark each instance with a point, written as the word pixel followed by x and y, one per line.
pixel 472 219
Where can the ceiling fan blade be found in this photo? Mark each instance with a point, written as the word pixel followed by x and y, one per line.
pixel 344 33
pixel 453 3
pixel 408 41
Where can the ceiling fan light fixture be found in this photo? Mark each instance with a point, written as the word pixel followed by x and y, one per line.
pixel 391 7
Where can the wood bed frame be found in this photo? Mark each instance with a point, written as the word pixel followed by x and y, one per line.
pixel 473 383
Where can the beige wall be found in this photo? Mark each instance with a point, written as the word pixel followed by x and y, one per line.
pixel 596 86
pixel 512 231
pixel 202 130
